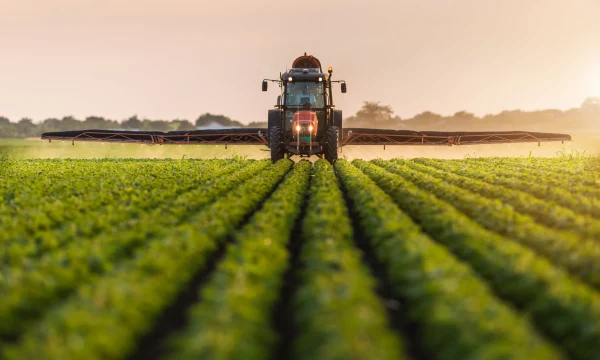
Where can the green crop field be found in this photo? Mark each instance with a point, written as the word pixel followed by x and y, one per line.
pixel 480 258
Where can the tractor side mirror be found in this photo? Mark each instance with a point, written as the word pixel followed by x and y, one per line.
pixel 279 100
pixel 265 86
pixel 344 88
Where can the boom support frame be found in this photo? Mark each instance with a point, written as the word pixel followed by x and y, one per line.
pixel 351 136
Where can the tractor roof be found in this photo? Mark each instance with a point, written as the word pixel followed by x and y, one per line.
pixel 306 74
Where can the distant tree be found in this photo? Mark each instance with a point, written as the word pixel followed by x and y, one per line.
pixel 465 120
pixel 426 120
pixel 98 122
pixel 132 123
pixel 71 123
pixel 257 124
pixel 208 118
pixel 464 115
pixel 50 124
pixel 373 114
pixel 7 129
pixel 425 117
pixel 155 125
pixel 181 125
pixel 26 127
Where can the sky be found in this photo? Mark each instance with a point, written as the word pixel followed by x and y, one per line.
pixel 162 59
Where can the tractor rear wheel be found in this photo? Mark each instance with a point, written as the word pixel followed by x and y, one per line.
pixel 331 149
pixel 276 143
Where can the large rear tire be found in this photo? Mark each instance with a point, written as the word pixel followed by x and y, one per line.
pixel 276 143
pixel 337 121
pixel 331 148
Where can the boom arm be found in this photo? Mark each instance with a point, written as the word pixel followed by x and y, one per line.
pixel 245 136
pixel 361 136
pixel 351 136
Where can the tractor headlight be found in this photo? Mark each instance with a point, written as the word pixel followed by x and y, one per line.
pixel 310 128
pixel 298 128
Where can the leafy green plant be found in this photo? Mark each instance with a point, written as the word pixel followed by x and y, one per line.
pixel 336 310
pixel 32 285
pixel 561 306
pixel 579 256
pixel 488 258
pixel 232 321
pixel 135 292
pixel 451 306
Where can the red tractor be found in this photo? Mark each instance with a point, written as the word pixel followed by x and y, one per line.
pixel 305 121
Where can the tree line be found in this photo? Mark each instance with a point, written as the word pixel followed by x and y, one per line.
pixel 584 118
pixel 27 128
pixel 371 115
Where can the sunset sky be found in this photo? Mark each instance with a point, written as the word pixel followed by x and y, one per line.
pixel 178 59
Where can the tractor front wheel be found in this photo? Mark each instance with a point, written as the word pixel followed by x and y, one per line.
pixel 331 149
pixel 276 143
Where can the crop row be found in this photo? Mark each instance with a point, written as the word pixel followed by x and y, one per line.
pixel 563 164
pixel 582 258
pixel 232 320
pixel 579 203
pixel 565 310
pixel 39 204
pixel 51 175
pixel 128 201
pixel 545 212
pixel 56 183
pixel 576 165
pixel 455 313
pixel 90 324
pixel 584 183
pixel 29 288
pixel 25 197
pixel 336 310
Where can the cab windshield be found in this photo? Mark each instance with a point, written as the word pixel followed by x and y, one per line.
pixel 303 93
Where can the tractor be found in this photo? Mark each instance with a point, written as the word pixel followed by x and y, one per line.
pixel 305 121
